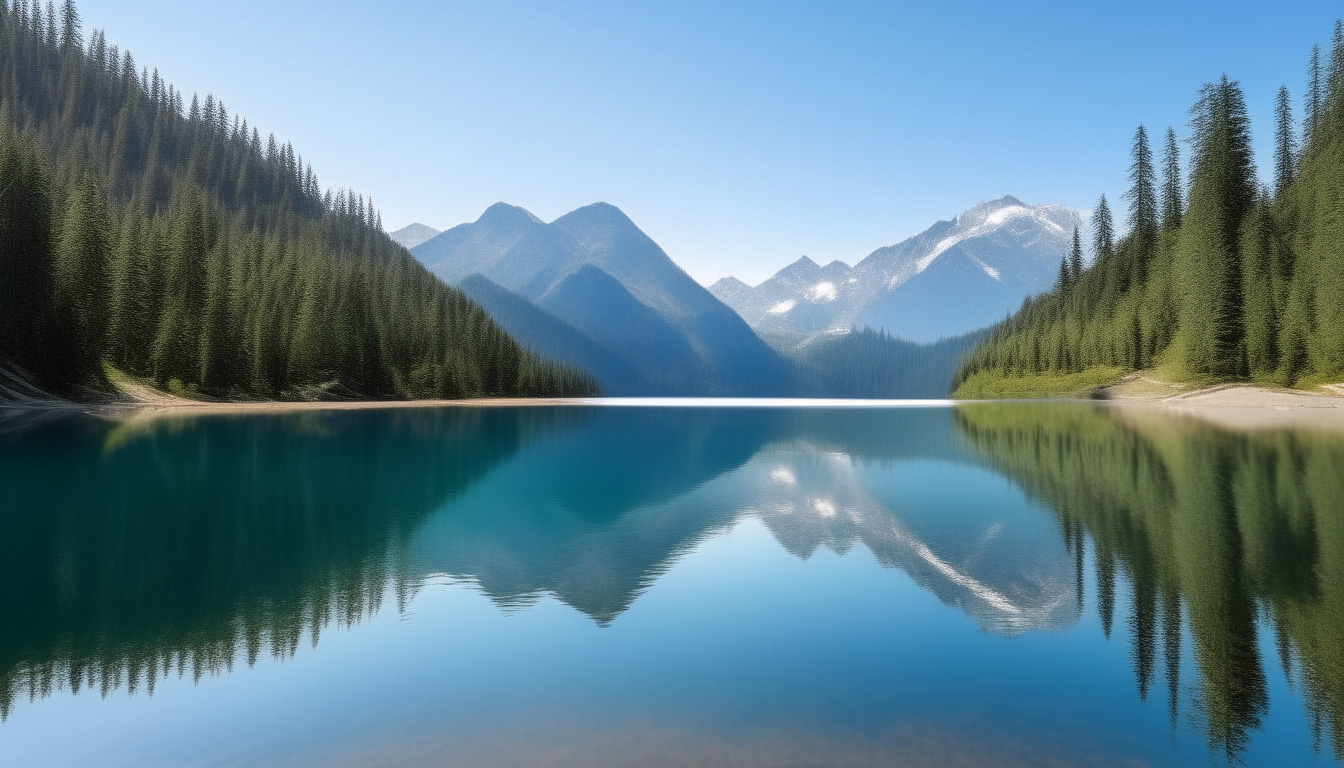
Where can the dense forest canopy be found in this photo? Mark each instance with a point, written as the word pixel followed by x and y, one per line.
pixel 1218 279
pixel 146 237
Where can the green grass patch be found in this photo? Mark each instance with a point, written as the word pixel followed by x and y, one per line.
pixel 991 385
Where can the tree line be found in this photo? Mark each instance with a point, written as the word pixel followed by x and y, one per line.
pixel 1219 279
pixel 145 238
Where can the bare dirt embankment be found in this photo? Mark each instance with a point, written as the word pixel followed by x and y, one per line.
pixel 1236 406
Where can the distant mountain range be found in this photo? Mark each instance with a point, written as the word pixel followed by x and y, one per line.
pixel 412 235
pixel 955 277
pixel 592 289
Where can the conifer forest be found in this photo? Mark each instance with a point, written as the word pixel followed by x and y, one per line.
pixel 1218 278
pixel 148 236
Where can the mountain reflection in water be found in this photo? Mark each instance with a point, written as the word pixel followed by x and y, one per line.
pixel 134 550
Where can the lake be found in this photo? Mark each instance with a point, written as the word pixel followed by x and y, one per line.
pixel 987 584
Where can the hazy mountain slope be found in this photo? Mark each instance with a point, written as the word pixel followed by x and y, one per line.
pixel 538 329
pixel 518 251
pixel 412 235
pixel 954 277
pixel 600 306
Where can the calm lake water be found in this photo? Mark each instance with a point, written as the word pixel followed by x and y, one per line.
pixel 998 584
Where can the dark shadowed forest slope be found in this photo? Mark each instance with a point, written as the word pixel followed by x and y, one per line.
pixel 1239 281
pixel 145 236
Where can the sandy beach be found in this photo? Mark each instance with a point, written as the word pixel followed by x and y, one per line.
pixel 1235 406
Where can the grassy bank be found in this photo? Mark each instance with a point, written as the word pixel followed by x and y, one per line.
pixel 991 385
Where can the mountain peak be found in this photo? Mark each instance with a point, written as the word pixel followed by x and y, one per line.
pixel 728 283
pixel 412 235
pixel 503 213
pixel 596 214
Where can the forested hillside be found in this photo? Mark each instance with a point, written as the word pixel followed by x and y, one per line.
pixel 871 363
pixel 140 235
pixel 1239 281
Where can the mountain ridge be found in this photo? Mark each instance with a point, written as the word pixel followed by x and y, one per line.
pixel 516 250
pixel 998 251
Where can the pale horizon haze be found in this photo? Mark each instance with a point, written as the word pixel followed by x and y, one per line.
pixel 739 137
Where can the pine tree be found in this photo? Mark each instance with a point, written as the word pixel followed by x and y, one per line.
pixel 1142 194
pixel 128 302
pixel 1103 231
pixel 1143 209
pixel 1208 258
pixel 1311 109
pixel 83 254
pixel 1261 326
pixel 70 30
pixel 1172 204
pixel 1285 145
pixel 177 350
pixel 1076 258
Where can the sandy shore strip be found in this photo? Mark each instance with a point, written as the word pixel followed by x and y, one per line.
pixel 1235 406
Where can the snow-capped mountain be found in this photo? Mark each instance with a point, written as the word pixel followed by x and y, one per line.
pixel 412 235
pixel 954 277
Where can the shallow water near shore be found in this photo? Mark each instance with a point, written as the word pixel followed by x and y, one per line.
pixel 983 584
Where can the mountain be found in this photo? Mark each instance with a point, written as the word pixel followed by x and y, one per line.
pixel 412 235
pixel 596 270
pixel 537 329
pixel 953 278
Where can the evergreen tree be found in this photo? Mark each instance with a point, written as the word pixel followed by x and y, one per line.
pixel 1143 210
pixel 1261 315
pixel 1208 260
pixel 81 276
pixel 1172 203
pixel 1076 258
pixel 1103 231
pixel 177 349
pixel 1142 194
pixel 1311 109
pixel 1285 145
pixel 129 300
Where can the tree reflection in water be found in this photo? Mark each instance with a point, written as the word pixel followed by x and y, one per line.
pixel 1229 527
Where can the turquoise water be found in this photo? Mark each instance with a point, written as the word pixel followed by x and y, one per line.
pixel 985 585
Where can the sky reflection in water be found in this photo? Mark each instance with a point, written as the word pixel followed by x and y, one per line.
pixel 670 586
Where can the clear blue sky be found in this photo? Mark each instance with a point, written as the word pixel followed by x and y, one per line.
pixel 739 136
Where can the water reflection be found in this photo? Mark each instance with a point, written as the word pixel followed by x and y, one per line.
pixel 135 550
pixel 1228 527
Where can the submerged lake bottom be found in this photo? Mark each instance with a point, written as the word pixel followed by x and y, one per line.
pixel 781 585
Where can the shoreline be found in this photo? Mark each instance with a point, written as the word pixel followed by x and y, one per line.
pixel 1233 406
